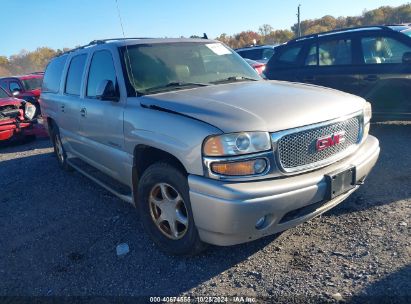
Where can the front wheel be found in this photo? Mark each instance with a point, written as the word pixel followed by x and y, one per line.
pixel 165 209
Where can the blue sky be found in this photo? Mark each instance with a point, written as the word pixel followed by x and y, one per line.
pixel 28 24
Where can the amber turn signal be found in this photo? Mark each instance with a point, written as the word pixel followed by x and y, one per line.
pixel 241 168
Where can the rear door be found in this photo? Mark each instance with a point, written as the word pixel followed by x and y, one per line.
pixel 70 102
pixel 101 121
pixel 330 63
pixel 384 79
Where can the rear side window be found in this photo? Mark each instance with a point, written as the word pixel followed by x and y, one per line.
pixel 382 50
pixel 290 55
pixel 329 53
pixel 101 68
pixel 75 74
pixel 52 76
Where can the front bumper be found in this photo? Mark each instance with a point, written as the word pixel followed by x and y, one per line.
pixel 226 213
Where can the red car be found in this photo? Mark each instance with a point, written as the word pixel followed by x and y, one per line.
pixel 258 66
pixel 27 87
pixel 16 117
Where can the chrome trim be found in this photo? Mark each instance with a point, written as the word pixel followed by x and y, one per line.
pixel 267 156
pixel 275 138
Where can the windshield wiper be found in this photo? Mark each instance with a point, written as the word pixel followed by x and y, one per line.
pixel 175 85
pixel 234 79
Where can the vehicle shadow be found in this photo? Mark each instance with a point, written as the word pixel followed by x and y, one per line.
pixel 24 144
pixel 394 288
pixel 60 232
pixel 390 180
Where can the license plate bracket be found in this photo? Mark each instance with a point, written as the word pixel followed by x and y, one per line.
pixel 340 182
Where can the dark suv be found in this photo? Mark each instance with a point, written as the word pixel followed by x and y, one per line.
pixel 372 62
pixel 259 53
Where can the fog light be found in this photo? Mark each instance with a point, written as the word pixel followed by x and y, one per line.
pixel 260 223
pixel 259 166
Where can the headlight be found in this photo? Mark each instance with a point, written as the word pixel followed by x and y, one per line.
pixel 367 112
pixel 29 111
pixel 237 144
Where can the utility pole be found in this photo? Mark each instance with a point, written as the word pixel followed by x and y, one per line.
pixel 299 23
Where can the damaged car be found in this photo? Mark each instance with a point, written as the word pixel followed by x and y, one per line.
pixel 16 117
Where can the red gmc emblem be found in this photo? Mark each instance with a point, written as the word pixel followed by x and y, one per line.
pixel 330 140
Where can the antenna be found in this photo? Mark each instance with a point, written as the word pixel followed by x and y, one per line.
pixel 128 55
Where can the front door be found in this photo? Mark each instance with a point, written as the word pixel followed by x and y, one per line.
pixel 385 80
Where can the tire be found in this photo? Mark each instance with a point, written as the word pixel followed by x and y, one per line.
pixel 59 149
pixel 163 185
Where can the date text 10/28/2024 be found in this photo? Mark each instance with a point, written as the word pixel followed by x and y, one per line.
pixel 203 299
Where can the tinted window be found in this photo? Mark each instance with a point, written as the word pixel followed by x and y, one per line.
pixel 14 86
pixel 3 85
pixel 336 52
pixel 101 68
pixel 3 94
pixel 290 55
pixel 380 50
pixel 312 57
pixel 75 74
pixel 267 54
pixel 254 54
pixel 52 76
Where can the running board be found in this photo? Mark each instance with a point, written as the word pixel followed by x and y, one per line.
pixel 118 189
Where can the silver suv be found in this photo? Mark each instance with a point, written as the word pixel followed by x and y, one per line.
pixel 207 151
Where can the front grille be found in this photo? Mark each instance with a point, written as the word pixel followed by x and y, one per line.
pixel 9 111
pixel 297 150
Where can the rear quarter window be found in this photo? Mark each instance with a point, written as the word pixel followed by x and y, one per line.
pixel 289 56
pixel 53 73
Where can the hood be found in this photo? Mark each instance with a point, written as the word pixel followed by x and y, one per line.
pixel 10 102
pixel 257 106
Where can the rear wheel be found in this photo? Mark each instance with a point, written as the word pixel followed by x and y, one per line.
pixel 165 208
pixel 59 149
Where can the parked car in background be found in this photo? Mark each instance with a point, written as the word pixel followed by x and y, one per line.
pixel 16 117
pixel 258 66
pixel 373 62
pixel 260 53
pixel 208 152
pixel 27 87
pixel 402 28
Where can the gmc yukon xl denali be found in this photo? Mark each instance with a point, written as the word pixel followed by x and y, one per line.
pixel 207 151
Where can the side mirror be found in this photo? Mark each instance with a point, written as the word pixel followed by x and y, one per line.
pixel 107 91
pixel 15 93
pixel 406 58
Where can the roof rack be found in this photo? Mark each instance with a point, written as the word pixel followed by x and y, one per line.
pixel 383 27
pixel 101 41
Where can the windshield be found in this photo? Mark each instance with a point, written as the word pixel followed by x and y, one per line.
pixel 3 94
pixel 32 83
pixel 171 66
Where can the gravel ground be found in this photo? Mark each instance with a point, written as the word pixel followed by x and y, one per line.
pixel 59 232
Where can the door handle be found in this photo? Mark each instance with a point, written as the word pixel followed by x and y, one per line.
pixel 83 112
pixel 62 108
pixel 371 78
